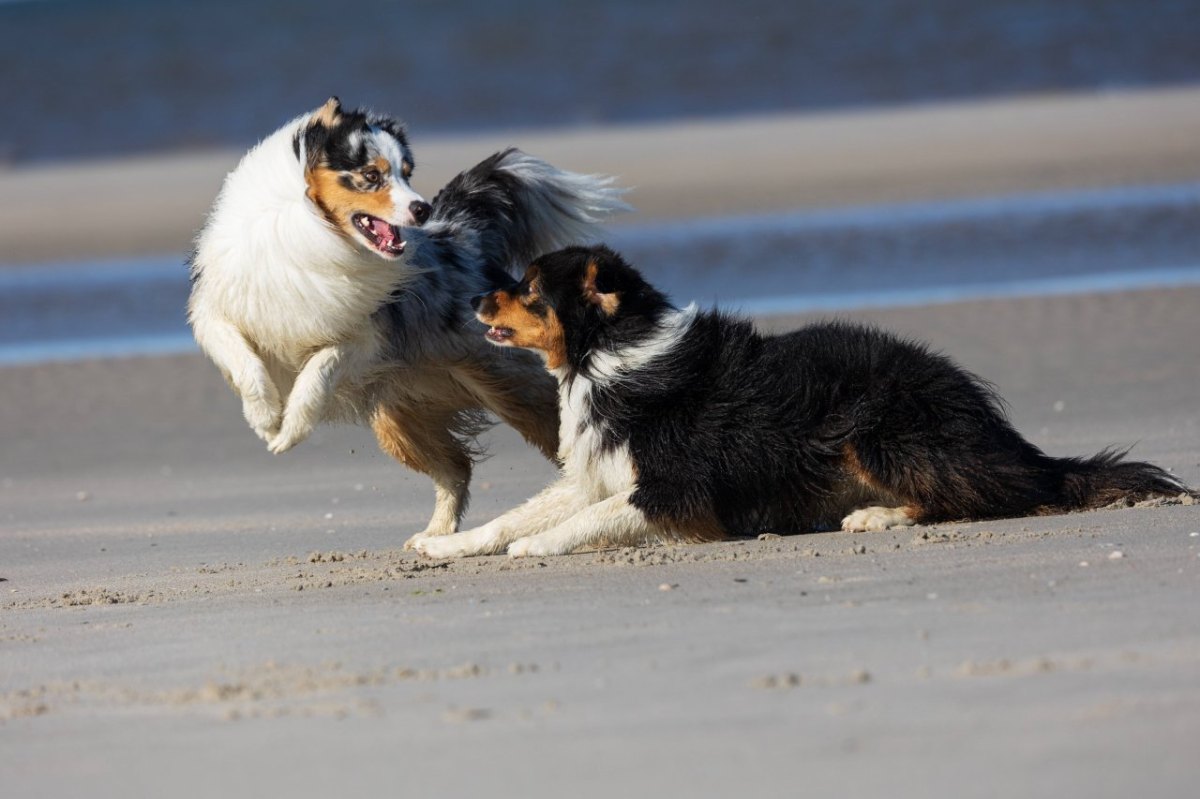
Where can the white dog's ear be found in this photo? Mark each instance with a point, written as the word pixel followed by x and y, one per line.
pixel 328 114
pixel 316 133
pixel 593 291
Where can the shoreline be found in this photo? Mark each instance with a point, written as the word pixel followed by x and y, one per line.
pixel 878 256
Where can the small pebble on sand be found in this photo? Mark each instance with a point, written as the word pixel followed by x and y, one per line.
pixel 82 496
pixel 1083 563
pixel 668 586
pixel 773 681
pixel 457 715
pixel 1116 555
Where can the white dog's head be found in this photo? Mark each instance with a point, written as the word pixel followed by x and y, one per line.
pixel 356 167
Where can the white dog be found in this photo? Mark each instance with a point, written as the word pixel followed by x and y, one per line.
pixel 326 289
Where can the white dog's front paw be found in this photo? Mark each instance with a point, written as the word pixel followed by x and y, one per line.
pixel 411 543
pixel 288 436
pixel 441 546
pixel 876 519
pixel 263 417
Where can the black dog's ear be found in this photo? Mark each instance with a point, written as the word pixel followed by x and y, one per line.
pixel 597 291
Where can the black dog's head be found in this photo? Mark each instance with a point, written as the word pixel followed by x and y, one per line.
pixel 571 303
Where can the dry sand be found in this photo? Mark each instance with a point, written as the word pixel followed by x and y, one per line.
pixel 183 614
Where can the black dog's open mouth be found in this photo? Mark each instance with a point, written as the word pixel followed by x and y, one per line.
pixel 382 235
pixel 499 334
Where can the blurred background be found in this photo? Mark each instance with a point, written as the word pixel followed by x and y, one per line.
pixel 911 149
pixel 93 79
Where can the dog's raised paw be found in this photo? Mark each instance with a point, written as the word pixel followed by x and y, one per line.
pixel 264 419
pixel 289 436
pixel 876 519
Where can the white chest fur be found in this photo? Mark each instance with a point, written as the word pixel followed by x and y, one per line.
pixel 271 265
pixel 598 471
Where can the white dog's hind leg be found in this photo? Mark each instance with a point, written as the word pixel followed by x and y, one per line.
pixel 553 505
pixel 612 521
pixel 450 497
pixel 422 441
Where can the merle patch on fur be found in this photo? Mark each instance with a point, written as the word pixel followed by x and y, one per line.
pixel 333 145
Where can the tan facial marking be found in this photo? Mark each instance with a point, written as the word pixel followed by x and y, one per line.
pixel 339 202
pixel 529 330
pixel 607 303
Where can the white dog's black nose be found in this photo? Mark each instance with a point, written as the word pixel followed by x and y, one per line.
pixel 420 211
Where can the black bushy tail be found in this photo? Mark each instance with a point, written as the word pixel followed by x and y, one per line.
pixel 1107 478
pixel 521 207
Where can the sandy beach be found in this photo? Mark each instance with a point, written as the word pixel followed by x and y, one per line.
pixel 183 614
pixel 186 614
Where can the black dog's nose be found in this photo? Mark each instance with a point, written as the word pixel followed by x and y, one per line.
pixel 420 210
pixel 477 300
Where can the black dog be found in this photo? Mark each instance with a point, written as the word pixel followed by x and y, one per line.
pixel 692 425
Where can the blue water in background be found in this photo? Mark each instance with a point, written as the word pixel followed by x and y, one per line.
pixel 90 78
pixel 1032 244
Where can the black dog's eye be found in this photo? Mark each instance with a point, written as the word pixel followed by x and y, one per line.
pixel 372 175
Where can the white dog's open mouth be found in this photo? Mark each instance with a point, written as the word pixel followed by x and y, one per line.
pixel 499 334
pixel 381 235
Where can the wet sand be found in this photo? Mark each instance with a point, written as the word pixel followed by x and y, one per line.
pixel 183 614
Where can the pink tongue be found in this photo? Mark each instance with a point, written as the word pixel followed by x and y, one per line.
pixel 382 230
